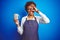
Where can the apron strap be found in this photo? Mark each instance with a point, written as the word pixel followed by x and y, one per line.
pixel 35 18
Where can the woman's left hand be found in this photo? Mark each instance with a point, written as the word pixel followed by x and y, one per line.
pixel 36 10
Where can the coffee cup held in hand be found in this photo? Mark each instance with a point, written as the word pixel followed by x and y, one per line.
pixel 16 16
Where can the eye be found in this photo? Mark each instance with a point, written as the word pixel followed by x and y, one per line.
pixel 30 9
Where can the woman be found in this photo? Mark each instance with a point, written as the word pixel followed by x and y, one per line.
pixel 29 23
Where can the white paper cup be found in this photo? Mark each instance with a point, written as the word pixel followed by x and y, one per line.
pixel 16 16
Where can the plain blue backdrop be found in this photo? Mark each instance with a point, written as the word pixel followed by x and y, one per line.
pixel 8 29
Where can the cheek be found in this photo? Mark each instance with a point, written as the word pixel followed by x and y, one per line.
pixel 29 11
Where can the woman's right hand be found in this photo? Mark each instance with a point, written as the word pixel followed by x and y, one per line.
pixel 16 21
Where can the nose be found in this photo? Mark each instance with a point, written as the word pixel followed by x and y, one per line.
pixel 32 9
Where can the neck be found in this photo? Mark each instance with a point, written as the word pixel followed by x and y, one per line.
pixel 30 16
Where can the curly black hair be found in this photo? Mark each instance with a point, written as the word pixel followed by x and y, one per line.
pixel 29 3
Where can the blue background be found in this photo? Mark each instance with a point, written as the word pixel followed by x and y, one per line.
pixel 8 29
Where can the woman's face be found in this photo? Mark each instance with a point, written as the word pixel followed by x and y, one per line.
pixel 30 9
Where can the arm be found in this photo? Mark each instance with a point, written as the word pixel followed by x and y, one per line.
pixel 42 18
pixel 19 28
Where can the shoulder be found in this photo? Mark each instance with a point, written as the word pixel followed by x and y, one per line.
pixel 37 17
pixel 24 17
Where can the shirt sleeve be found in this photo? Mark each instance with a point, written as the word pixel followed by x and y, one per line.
pixel 42 18
pixel 20 28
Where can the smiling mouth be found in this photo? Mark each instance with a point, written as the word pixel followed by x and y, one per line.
pixel 32 11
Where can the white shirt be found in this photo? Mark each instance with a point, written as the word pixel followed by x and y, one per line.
pixel 40 19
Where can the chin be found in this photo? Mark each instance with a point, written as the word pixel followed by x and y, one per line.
pixel 31 14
